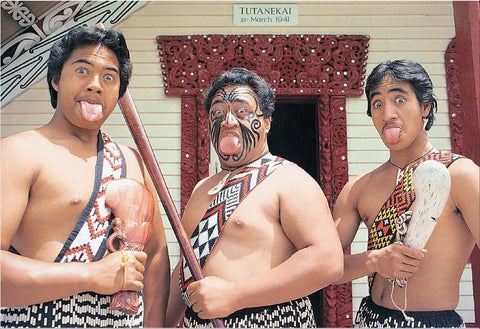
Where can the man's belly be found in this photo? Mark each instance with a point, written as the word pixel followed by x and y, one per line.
pixel 234 261
pixel 419 295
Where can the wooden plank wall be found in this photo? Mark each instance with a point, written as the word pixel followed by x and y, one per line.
pixel 419 31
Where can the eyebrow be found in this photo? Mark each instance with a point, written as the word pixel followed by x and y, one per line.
pixel 109 68
pixel 396 89
pixel 235 100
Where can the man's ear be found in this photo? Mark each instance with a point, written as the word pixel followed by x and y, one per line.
pixel 426 110
pixel 54 85
pixel 268 123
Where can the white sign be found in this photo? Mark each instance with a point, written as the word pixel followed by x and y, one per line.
pixel 265 14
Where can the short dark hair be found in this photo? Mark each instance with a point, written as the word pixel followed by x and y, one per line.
pixel 405 71
pixel 83 37
pixel 242 76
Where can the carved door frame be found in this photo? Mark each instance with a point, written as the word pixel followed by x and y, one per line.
pixel 459 144
pixel 327 68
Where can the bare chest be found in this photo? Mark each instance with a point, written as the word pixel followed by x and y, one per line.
pixel 372 199
pixel 57 199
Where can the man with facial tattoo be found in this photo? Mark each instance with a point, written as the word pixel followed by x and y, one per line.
pixel 261 228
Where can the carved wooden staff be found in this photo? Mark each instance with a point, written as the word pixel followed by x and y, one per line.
pixel 140 137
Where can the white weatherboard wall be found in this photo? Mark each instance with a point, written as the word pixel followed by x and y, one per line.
pixel 419 31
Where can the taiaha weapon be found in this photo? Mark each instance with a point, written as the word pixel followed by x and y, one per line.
pixel 133 206
pixel 140 137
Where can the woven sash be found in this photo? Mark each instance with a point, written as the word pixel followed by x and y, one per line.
pixel 209 228
pixel 383 230
pixel 87 241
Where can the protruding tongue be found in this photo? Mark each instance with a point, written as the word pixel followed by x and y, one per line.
pixel 229 145
pixel 392 134
pixel 91 112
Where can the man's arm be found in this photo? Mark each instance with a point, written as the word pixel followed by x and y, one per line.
pixel 307 222
pixel 347 221
pixel 157 273
pixel 27 281
pixel 465 179
pixel 396 260
pixel 176 306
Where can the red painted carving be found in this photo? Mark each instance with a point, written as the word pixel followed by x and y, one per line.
pixel 324 142
pixel 454 100
pixel 293 65
pixel 459 145
pixel 337 301
pixel 189 147
pixel 326 67
pixel 203 150
pixel 338 115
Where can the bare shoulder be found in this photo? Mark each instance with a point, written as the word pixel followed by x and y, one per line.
pixel 465 193
pixel 465 178
pixel 128 152
pixel 360 183
pixel 25 145
pixel 292 172
pixel 23 156
pixel 135 164
pixel 463 168
pixel 290 178
pixel 360 189
pixel 22 140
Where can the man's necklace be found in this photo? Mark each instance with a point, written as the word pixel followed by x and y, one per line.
pixel 214 190
pixel 396 166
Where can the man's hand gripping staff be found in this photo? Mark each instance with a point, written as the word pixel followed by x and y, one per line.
pixel 133 207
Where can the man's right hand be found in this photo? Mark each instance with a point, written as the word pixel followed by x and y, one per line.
pixel 121 270
pixel 397 260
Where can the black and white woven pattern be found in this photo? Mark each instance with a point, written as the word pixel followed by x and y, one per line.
pixel 294 314
pixel 370 315
pixel 82 310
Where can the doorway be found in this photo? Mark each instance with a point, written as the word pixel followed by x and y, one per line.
pixel 294 136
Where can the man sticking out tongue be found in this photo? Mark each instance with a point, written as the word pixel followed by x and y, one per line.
pixel 260 228
pixel 392 134
pixel 57 270
pixel 230 144
pixel 91 112
pixel 400 201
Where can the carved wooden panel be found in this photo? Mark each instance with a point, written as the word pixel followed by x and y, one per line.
pixel 326 67
pixel 292 64
pixel 459 146
pixel 454 99
pixel 24 57
pixel 337 299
